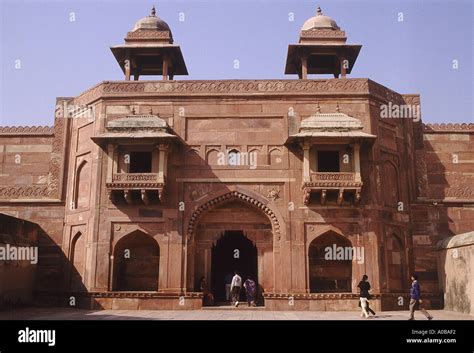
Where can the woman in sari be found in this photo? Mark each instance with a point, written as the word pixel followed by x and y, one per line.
pixel 250 291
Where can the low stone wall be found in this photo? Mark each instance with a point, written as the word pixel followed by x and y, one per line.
pixel 346 301
pixel 134 301
pixel 456 272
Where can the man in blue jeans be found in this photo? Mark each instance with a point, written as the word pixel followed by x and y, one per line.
pixel 415 301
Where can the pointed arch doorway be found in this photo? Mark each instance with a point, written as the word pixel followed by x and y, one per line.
pixel 226 221
pixel 232 252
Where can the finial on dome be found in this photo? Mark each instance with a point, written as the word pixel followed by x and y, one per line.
pixel 319 12
pixel 153 11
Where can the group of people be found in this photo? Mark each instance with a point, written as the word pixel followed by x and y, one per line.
pixel 415 298
pixel 250 290
pixel 233 290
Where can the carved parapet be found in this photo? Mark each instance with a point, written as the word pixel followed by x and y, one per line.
pixel 450 127
pixel 136 181
pixel 321 183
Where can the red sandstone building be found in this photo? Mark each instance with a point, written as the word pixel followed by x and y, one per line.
pixel 143 187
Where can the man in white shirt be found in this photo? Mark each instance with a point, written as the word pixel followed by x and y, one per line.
pixel 235 286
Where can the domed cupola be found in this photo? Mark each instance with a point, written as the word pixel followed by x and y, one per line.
pixel 151 22
pixel 149 50
pixel 322 49
pixel 320 21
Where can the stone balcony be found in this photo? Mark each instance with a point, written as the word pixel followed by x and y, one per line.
pixel 321 183
pixel 147 184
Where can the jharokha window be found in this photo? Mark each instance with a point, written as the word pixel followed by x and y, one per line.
pixel 328 161
pixel 140 162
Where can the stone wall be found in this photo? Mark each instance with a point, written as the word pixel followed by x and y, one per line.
pixel 445 193
pixel 17 275
pixel 24 159
pixel 456 272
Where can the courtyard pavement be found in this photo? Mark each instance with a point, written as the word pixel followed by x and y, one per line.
pixel 214 314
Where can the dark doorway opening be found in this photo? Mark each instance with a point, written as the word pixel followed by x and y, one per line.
pixel 232 252
pixel 140 162
pixel 328 161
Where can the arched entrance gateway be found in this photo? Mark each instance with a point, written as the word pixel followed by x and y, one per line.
pixel 233 232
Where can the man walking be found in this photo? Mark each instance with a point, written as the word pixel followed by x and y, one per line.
pixel 364 287
pixel 235 288
pixel 415 301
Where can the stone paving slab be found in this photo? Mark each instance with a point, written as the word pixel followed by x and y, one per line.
pixel 216 314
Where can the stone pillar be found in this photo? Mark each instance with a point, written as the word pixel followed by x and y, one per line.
pixel 306 176
pixel 207 265
pixel 261 263
pixel 115 160
pixel 162 161
pixel 304 67
pixel 165 68
pixel 111 163
pixel 357 162
pixel 128 65
pixel 343 67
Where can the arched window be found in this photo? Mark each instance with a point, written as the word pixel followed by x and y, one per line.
pixel 275 156
pixel 233 157
pixel 330 268
pixel 212 157
pixel 78 262
pixel 81 187
pixel 136 263
pixel 193 158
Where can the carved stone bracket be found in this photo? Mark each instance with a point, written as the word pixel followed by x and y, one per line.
pixel 323 197
pixel 339 196
pixel 128 196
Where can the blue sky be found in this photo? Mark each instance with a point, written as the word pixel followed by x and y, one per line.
pixel 59 57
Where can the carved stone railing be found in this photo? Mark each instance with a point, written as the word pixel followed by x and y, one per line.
pixel 148 184
pixel 135 178
pixel 332 176
pixel 322 182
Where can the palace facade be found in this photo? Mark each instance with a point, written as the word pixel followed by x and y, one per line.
pixel 141 188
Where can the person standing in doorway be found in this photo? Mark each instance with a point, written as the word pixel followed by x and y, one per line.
pixel 228 281
pixel 364 287
pixel 250 291
pixel 415 299
pixel 207 297
pixel 235 286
